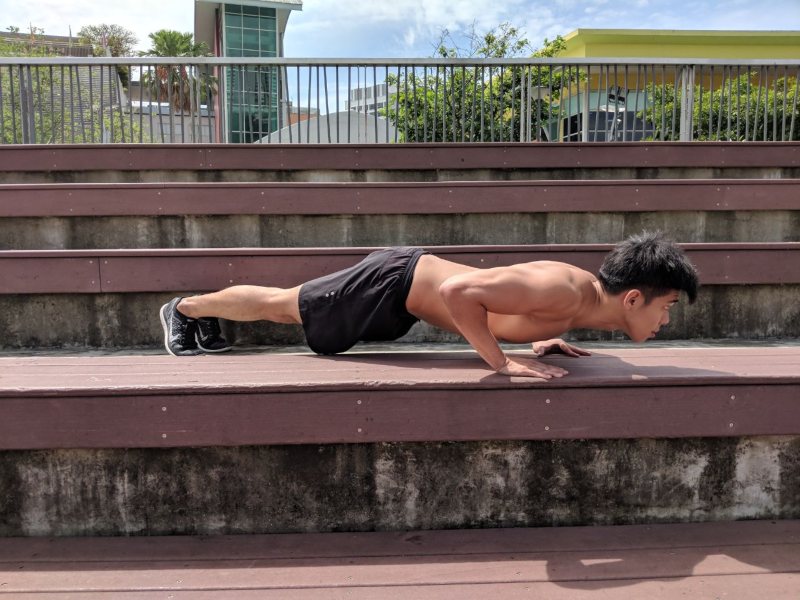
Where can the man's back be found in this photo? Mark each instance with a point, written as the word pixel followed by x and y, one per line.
pixel 528 302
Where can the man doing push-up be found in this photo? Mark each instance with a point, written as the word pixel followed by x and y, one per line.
pixel 380 298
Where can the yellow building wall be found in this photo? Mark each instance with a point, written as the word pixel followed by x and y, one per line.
pixel 655 43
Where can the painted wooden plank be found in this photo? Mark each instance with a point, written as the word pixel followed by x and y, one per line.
pixel 399 157
pixel 427 543
pixel 728 559
pixel 44 275
pixel 379 398
pixel 97 199
pixel 177 270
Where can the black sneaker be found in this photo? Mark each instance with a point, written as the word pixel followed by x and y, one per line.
pixel 179 330
pixel 209 337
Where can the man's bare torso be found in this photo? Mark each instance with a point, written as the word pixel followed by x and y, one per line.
pixel 425 302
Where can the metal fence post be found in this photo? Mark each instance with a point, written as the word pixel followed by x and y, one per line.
pixel 687 103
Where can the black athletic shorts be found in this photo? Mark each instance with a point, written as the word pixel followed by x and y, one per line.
pixel 363 303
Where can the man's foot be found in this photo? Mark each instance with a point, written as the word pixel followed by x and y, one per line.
pixel 179 330
pixel 209 337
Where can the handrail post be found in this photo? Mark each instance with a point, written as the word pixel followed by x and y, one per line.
pixel 687 103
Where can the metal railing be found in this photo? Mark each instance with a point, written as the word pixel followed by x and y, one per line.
pixel 262 100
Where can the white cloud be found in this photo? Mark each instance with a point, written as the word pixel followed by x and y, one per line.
pixel 142 17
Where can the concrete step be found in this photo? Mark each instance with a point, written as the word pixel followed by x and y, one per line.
pixel 259 443
pixel 391 162
pixel 62 216
pixel 110 298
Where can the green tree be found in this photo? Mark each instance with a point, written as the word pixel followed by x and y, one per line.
pixel 751 107
pixel 479 103
pixel 117 39
pixel 181 86
pixel 48 105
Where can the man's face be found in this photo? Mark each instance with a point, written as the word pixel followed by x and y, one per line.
pixel 644 319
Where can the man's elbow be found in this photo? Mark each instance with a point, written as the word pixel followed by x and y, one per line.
pixel 451 289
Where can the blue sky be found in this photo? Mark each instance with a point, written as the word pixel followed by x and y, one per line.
pixel 410 28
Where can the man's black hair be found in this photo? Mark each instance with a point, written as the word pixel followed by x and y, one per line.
pixel 651 263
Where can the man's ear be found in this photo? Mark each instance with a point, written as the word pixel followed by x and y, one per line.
pixel 632 298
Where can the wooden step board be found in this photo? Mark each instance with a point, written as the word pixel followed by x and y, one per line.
pixel 750 560
pixel 461 197
pixel 393 157
pixel 242 399
pixel 176 270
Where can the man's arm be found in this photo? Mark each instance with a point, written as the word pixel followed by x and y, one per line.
pixel 470 297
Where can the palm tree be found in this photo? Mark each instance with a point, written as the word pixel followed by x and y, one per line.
pixel 177 84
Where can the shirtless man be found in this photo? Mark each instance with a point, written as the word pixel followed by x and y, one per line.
pixel 380 298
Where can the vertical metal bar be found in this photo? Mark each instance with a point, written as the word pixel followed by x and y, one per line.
pixel 260 104
pixel 775 105
pixel 299 122
pixel 171 82
pixel 523 115
pixel 738 100
pixel 550 92
pixel 24 117
pixel 319 105
pixel 444 103
pixel 756 113
pixel 405 103
pixel 181 98
pixel 625 114
pixel 13 107
pixel 783 110
pixel 700 107
pixel 539 103
pixel 747 106
pixel 729 71
pixel 483 100
pixel 397 105
pixel 474 102
pixel 308 108
pixel 52 106
pixel 454 100
pixel 435 106
pixel 210 104
pixel 463 103
pixel 559 134
pixel 678 90
pixel 600 87
pixel 636 106
pixel 721 105
pixel 491 104
pixel 349 96
pixel 766 103
pixel 386 121
pixel 424 103
pixel 375 98
pixel 502 101
pixel 567 109
pixel 511 125
pixel 711 105
pixel 794 104
pixel 41 137
pixel 130 103
pixel 338 116
pixel 327 106
pixel 2 113
pixel 72 106
pixel 416 106
pixel 101 121
pixel 118 87
pixel 664 99
pixel 194 105
pixel 584 103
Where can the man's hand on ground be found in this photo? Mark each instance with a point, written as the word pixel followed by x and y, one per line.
pixel 557 345
pixel 528 367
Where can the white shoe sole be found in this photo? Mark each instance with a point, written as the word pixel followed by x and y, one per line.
pixel 166 329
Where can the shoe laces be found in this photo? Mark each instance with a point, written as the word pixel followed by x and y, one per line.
pixel 209 327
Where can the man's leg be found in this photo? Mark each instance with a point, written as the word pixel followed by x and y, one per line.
pixel 191 326
pixel 245 303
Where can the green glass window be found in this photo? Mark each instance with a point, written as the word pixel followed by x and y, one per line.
pixel 251 91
